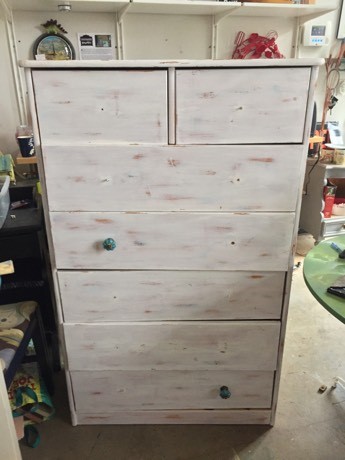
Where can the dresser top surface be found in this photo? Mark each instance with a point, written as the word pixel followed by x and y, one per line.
pixel 171 63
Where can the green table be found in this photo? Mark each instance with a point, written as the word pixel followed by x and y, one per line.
pixel 322 267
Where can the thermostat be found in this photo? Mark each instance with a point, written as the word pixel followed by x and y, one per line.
pixel 316 34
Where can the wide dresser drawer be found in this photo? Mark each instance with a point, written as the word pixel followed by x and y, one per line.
pixel 173 178
pixel 109 391
pixel 181 241
pixel 237 345
pixel 91 296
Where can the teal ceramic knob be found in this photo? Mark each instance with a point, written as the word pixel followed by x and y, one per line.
pixel 109 244
pixel 224 392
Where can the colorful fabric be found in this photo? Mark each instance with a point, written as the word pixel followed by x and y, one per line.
pixel 29 397
pixel 14 320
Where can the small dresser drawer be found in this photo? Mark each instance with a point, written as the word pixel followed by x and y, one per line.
pixel 237 345
pixel 170 295
pixel 109 391
pixel 224 106
pixel 175 241
pixel 333 226
pixel 99 107
pixel 188 178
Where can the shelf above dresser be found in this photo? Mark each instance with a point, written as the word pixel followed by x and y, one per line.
pixel 193 7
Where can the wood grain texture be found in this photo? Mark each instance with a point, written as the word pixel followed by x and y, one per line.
pixel 180 417
pixel 97 106
pixel 240 345
pixel 165 295
pixel 149 178
pixel 267 107
pixel 109 391
pixel 200 241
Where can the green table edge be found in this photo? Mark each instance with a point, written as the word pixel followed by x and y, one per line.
pixel 321 268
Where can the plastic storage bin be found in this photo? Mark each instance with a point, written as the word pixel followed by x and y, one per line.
pixel 4 198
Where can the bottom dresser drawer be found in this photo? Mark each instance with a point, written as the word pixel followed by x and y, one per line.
pixel 109 391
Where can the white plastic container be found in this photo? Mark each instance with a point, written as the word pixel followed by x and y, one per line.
pixel 338 209
pixel 4 198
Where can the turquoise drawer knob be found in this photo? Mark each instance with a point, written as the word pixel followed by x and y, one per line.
pixel 224 392
pixel 109 244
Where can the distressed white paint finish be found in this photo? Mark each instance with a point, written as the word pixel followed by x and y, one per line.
pixel 240 345
pixel 174 63
pixel 194 240
pixel 108 391
pixel 180 417
pixel 266 107
pixel 93 106
pixel 186 241
pixel 149 178
pixel 170 295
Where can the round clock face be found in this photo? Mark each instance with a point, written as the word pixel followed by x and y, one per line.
pixel 54 47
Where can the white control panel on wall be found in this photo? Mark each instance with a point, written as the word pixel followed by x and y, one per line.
pixel 315 33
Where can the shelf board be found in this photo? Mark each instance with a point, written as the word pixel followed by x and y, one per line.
pixel 176 7
pixel 283 10
pixel 87 6
pixel 26 160
pixel 316 139
pixel 182 7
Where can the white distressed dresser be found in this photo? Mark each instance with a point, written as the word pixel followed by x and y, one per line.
pixel 171 192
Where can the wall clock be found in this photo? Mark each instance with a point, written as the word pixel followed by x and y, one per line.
pixel 53 45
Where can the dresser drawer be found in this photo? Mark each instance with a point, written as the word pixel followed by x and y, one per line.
pixel 240 345
pixel 224 106
pixel 333 226
pixel 195 241
pixel 169 295
pixel 100 106
pixel 109 391
pixel 193 178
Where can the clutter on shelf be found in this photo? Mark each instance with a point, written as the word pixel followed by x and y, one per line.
pixel 256 46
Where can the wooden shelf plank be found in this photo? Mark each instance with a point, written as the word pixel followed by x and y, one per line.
pixel 26 160
pixel 283 10
pixel 201 7
pixel 87 6
pixel 182 7
pixel 316 139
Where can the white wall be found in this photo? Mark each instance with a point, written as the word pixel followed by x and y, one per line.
pixel 153 36
pixel 9 117
pixel 156 36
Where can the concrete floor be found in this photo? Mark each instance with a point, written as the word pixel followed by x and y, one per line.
pixel 309 425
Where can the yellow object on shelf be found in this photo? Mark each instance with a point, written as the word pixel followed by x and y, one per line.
pixel 6 267
pixel 315 139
